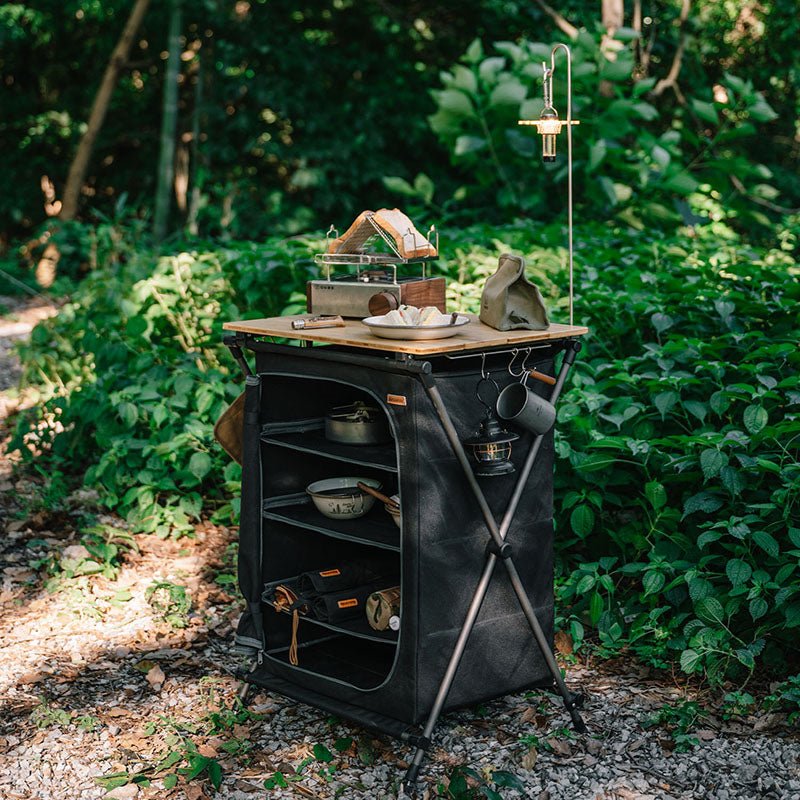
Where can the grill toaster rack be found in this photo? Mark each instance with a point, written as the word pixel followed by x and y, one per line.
pixel 362 256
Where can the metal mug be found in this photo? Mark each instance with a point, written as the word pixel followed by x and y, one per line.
pixel 518 404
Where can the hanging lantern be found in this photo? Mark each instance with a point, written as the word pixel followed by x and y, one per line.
pixel 490 448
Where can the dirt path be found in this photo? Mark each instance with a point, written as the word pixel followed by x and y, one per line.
pixel 121 668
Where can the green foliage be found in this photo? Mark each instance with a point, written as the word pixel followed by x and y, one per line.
pixel 136 375
pixel 100 552
pixel 677 482
pixel 301 112
pixel 635 153
pixel 680 440
pixel 679 721
pixel 465 783
pixel 170 601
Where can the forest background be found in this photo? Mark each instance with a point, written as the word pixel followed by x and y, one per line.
pixel 171 165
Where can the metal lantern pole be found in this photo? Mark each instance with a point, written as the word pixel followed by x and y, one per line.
pixel 549 126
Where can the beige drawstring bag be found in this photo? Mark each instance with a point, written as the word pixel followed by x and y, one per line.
pixel 510 301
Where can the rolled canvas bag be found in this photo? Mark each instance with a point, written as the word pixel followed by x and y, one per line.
pixel 228 430
pixel 510 301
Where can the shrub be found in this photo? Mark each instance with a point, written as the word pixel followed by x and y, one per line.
pixel 636 155
pixel 677 516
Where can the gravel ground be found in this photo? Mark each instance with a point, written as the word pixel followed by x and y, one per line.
pixel 94 682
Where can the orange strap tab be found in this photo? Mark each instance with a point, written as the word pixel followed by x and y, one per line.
pixel 329 573
pixel 349 603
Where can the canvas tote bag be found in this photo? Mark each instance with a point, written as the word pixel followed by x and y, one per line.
pixel 510 301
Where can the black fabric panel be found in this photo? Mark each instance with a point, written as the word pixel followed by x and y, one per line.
pixel 370 720
pixel 250 517
pixel 443 542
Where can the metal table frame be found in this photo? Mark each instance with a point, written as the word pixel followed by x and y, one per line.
pixel 497 549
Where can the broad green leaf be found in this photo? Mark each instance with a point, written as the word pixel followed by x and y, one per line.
pixel 719 403
pixel 732 480
pixel 321 753
pixel 682 183
pixel 662 322
pixel 469 144
pixel 738 571
pixel 128 413
pixel 761 110
pixel 653 582
pixel 455 102
pixel 597 152
pixel 531 108
pixel 474 52
pixel 214 773
pixel 343 743
pixel 696 409
pixel 702 501
pixel 691 661
pixel 595 608
pixel 705 111
pixel 755 418
pixel 711 462
pixel 424 186
pixel 645 111
pixel 616 71
pixel 758 607
pixel 700 588
pixel 745 657
pixel 582 520
pixel 710 610
pixel 508 93
pixel 792 614
pixel 199 465
pixel 656 494
pixel 490 68
pixel 464 79
pixel 400 186
pixel 767 543
pixel 508 780
pixel 664 401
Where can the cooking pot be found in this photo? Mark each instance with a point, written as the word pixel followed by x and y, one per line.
pixel 357 423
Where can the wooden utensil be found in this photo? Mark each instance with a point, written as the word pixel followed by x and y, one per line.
pixel 540 376
pixel 378 495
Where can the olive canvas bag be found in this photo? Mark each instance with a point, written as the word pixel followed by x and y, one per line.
pixel 510 301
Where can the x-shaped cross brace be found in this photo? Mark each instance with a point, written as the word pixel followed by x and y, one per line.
pixel 498 548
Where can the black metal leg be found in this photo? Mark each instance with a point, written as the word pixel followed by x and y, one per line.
pixel 498 547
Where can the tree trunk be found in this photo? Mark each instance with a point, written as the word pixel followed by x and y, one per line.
pixel 80 164
pixel 194 172
pixel 613 15
pixel 169 124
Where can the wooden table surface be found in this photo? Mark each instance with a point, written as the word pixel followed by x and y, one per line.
pixel 475 336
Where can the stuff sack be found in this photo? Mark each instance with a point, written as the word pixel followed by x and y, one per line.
pixel 229 427
pixel 510 301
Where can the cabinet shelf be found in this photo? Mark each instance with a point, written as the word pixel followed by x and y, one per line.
pixel 358 627
pixel 308 436
pixel 375 529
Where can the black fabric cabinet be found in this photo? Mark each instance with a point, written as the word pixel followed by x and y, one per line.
pixel 387 681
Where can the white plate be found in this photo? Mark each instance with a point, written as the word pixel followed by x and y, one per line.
pixel 378 328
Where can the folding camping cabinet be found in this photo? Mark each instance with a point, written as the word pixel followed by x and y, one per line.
pixel 465 632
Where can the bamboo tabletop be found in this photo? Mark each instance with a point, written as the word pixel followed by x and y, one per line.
pixel 475 336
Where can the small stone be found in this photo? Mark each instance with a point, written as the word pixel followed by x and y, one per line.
pixel 126 792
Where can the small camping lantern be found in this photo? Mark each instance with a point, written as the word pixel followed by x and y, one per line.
pixel 490 448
